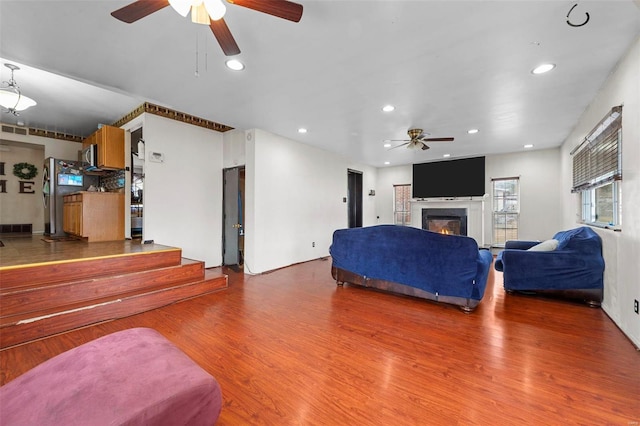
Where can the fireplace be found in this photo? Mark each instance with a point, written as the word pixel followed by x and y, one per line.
pixel 445 221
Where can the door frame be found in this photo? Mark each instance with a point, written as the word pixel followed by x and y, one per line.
pixel 233 218
pixel 354 198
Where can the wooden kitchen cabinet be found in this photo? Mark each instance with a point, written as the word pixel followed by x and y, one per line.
pixel 72 214
pixel 110 144
pixel 97 216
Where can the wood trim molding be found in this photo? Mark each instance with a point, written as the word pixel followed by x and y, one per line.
pixel 145 107
pixel 32 131
pixel 54 135
pixel 172 114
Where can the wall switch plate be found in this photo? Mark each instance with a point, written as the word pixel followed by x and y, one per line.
pixel 156 157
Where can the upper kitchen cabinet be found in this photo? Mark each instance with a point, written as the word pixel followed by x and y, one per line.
pixel 110 147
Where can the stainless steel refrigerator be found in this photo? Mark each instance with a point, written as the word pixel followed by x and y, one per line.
pixel 59 178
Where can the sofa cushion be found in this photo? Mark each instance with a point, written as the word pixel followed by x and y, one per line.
pixel 582 239
pixel 548 245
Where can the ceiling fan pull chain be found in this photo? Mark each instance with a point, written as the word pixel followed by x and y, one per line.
pixel 197 73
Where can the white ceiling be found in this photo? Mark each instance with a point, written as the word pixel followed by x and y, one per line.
pixel 447 66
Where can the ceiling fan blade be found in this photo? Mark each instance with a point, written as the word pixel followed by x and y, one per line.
pixel 424 147
pixel 281 8
pixel 138 10
pixel 437 139
pixel 225 39
pixel 398 146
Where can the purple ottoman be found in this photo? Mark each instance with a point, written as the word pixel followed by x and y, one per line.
pixel 132 377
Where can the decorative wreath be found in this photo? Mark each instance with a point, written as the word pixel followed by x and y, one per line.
pixel 19 170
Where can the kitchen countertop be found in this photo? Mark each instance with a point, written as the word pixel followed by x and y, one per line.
pixel 95 192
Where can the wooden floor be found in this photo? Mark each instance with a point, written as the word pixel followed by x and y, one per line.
pixel 37 249
pixel 291 348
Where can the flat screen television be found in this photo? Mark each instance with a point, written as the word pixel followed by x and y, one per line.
pixel 454 178
pixel 70 180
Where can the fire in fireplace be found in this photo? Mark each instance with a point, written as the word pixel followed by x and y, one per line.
pixel 445 221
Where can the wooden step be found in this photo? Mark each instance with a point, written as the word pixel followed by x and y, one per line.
pixel 92 267
pixel 40 296
pixel 18 329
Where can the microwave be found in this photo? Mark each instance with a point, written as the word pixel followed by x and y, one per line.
pixel 89 157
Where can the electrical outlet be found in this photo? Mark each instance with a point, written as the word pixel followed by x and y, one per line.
pixel 636 308
pixel 313 244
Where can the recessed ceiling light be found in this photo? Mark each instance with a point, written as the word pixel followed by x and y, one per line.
pixel 529 145
pixel 388 108
pixel 387 145
pixel 387 163
pixel 302 130
pixel 472 131
pixel 234 64
pixel 541 69
pixel 447 155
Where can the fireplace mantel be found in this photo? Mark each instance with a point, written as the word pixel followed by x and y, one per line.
pixel 473 205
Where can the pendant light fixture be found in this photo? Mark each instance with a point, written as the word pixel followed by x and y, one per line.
pixel 11 97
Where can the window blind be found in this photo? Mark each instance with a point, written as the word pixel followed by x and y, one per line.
pixel 597 160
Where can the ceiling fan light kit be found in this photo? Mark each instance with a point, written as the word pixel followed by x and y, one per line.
pixel 201 10
pixel 11 98
pixel 199 15
pixel 418 139
pixel 181 6
pixel 215 8
pixel 210 12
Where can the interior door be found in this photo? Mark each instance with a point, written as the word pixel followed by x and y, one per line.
pixel 231 215
pixel 354 194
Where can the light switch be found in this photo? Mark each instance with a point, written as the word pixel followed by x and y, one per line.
pixel 156 157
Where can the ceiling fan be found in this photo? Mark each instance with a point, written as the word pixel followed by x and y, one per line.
pixel 418 139
pixel 210 12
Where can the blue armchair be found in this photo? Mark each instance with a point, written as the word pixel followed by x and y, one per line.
pixel 569 265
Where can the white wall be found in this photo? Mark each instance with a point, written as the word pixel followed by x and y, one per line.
pixel 233 148
pixel 539 173
pixel 183 194
pixel 621 249
pixel 21 201
pixel 294 197
pixel 540 191
pixel 28 208
pixel 56 148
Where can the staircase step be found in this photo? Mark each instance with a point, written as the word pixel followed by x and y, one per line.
pixel 12 277
pixel 40 297
pixel 22 328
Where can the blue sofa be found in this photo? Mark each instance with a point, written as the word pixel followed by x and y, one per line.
pixel 568 265
pixel 412 261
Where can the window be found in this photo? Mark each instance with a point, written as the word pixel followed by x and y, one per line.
pixel 506 209
pixel 402 205
pixel 597 172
